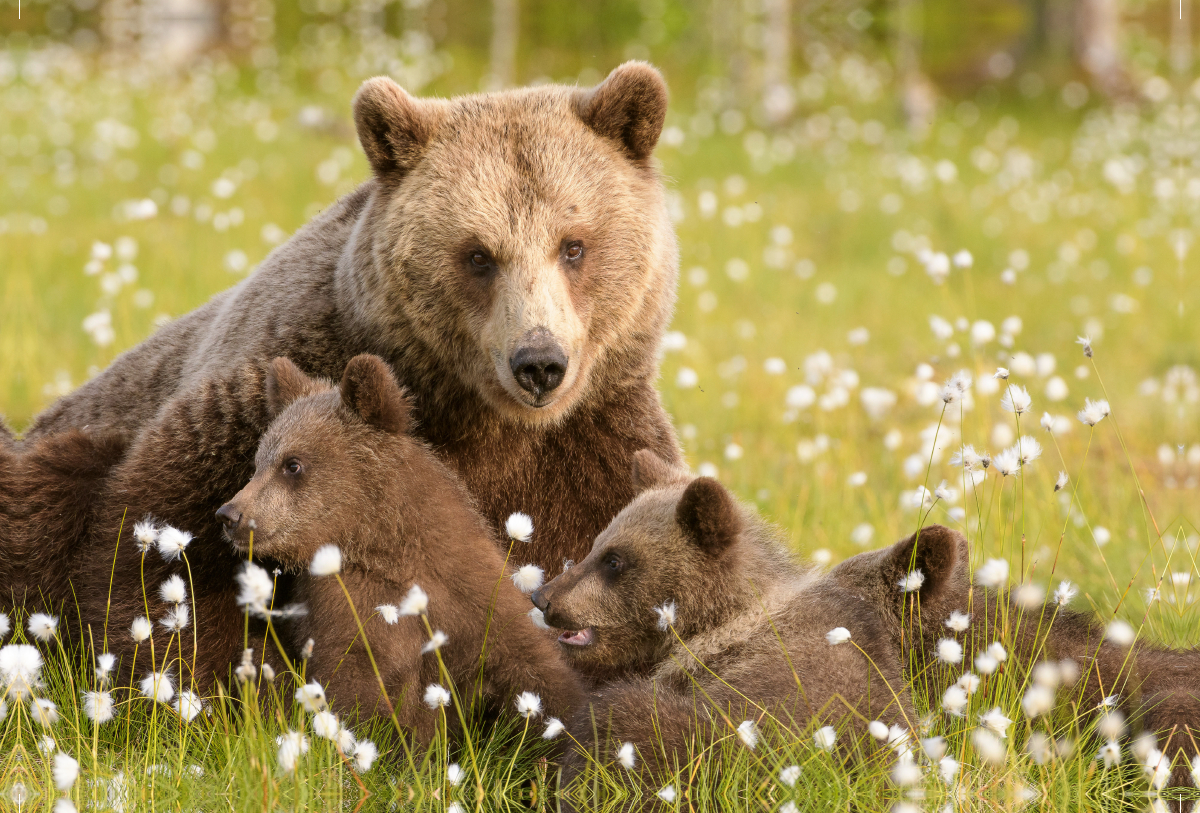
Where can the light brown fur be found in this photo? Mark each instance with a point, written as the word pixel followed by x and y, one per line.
pixel 749 635
pixel 519 176
pixel 317 482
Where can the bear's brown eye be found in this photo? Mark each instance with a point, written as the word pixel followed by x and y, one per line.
pixel 574 251
pixel 292 466
pixel 480 261
pixel 614 563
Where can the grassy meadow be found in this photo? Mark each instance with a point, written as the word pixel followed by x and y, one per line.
pixel 837 270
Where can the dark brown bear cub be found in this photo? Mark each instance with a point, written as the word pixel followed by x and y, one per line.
pixel 338 466
pixel 696 613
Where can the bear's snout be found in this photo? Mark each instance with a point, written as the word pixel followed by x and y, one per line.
pixel 539 363
pixel 229 515
pixel 539 600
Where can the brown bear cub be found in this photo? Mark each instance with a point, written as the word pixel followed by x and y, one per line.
pixel 339 466
pixel 694 612
pixel 1154 687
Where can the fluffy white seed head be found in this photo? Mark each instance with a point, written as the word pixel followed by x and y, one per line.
pixel 1029 596
pixel 958 621
pixel 454 774
pixel 529 705
pixel 790 775
pixel 837 635
pixel 626 756
pixel 327 561
pixel 905 773
pixel 173 590
pixel 1111 725
pixel 255 587
pixel 1016 399
pixel 994 573
pixel 365 754
pixel 1064 593
pixel 311 697
pixel 415 602
pixel 748 733
pixel 1047 673
pixel 1008 462
pixel 934 748
pixel 528 578
pixel 44 712
pixel 158 687
pixel 995 720
pixel 188 706
pixel 436 696
pixel 1061 482
pixel 1120 633
pixel 172 542
pixel 954 700
pixel 1086 343
pixel 1093 411
pixel 948 769
pixel 20 665
pixel 98 706
pixel 554 727
pixel 145 535
pixel 1110 754
pixel 912 581
pixel 177 618
pixel 996 650
pixel 325 724
pixel 825 738
pixel 65 771
pixel 667 794
pixel 878 729
pixel 666 616
pixel 1001 374
pixel 968 682
pixel 435 642
pixel 988 746
pixel 292 745
pixel 519 527
pixel 43 627
pixel 949 651
pixel 538 618
pixel 1038 700
pixel 388 612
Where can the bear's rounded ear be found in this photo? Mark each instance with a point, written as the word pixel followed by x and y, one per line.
pixel 935 550
pixel 629 107
pixel 393 127
pixel 650 470
pixel 285 383
pixel 370 391
pixel 708 515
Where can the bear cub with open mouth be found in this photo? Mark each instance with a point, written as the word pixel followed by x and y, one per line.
pixel 339 466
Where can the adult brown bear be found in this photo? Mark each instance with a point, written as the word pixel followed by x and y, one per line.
pixel 512 259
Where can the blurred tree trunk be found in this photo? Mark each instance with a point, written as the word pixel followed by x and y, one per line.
pixel 778 98
pixel 504 44
pixel 1098 44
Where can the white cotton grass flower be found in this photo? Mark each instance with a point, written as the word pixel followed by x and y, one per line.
pixel 666 616
pixel 20 665
pixel 1086 343
pixel 1120 633
pixel 934 748
pixel 1007 462
pixel 1038 700
pixel 246 670
pixel 626 756
pixel 1064 593
pixel 667 794
pixel 306 651
pixel 173 590
pixel 325 724
pixel 158 687
pixel 963 259
pixel 969 459
pixel 554 727
pixel 1016 400
pixel 837 635
pixel 968 682
pixel 878 729
pixel 748 733
pixel 993 573
pixel 529 705
pixel 1029 596
pixel 1047 673
pixel 958 621
pixel 435 642
pixel 1061 482
pixel 177 618
pixel 145 535
pixel 255 587
pixel 912 581
pixel 415 602
pixel 311 697
pixel 956 388
pixel 1028 450
pixel 528 578
pixel 954 700
pixel 538 618
pixel 1047 422
pixel 388 612
pixel 1094 411
pixel 1111 725
pixel 995 721
pixel 1110 754
pixel 996 650
pixel 43 627
pixel 948 769
pixel 436 696
pixel 98 706
pixel 365 754
pixel 906 773
pixel 327 561
pixel 454 774
pixel 292 745
pixel 172 542
pixel 988 746
pixel 519 527
pixel 790 775
pixel 44 712
pixel 188 705
pixel 986 664
pixel 1001 374
pixel 65 771
pixel 346 742
pixel 825 738
pixel 949 651
pixel 1039 747
pixel 5 625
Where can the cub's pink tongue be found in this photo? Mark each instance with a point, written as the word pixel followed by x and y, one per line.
pixel 581 637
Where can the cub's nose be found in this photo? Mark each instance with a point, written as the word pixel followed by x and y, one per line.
pixel 539 364
pixel 539 600
pixel 229 515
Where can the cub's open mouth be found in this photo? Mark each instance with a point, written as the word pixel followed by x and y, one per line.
pixel 581 637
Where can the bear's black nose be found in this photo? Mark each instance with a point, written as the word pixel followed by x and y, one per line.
pixel 539 600
pixel 539 364
pixel 229 515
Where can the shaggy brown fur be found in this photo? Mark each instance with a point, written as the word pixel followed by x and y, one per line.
pixel 499 223
pixel 178 471
pixel 317 482
pixel 750 622
pixel 1156 687
pixel 10 554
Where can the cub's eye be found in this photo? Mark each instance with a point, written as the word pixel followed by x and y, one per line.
pixel 480 261
pixel 292 466
pixel 613 563
pixel 573 251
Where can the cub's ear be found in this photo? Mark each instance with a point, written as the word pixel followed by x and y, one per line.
pixel 708 515
pixel 628 107
pixel 285 383
pixel 935 551
pixel 650 470
pixel 370 391
pixel 393 127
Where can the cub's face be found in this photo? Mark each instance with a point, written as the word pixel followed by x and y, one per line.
pixel 317 469
pixel 667 547
pixel 525 240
